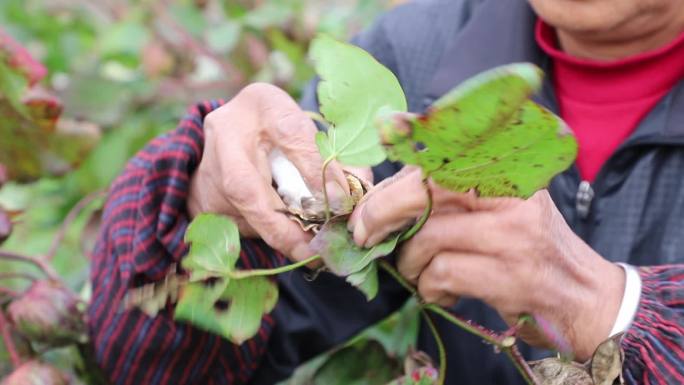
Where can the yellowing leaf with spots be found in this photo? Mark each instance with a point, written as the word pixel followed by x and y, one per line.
pixel 485 134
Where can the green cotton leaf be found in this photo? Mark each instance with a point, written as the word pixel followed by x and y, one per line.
pixel 341 255
pixel 197 302
pixel 232 309
pixel 486 134
pixel 354 88
pixel 366 280
pixel 363 363
pixel 12 86
pixel 214 246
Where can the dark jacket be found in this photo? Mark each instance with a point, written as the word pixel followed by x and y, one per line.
pixel 636 215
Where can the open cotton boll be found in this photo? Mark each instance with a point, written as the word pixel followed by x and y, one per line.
pixel 291 186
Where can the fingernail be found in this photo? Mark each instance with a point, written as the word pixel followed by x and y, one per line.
pixel 351 222
pixel 301 252
pixel 360 234
pixel 372 240
pixel 337 197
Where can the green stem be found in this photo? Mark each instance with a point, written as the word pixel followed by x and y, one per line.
pixel 480 331
pixel 324 170
pixel 395 274
pixel 440 346
pixel 13 275
pixel 241 274
pixel 471 328
pixel 6 334
pixel 523 368
pixel 315 116
pixel 423 218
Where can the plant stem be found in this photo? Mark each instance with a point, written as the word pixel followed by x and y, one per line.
pixel 395 274
pixel 440 346
pixel 69 220
pixel 241 274
pixel 488 335
pixel 18 276
pixel 315 116
pixel 8 292
pixel 519 361
pixel 423 218
pixel 9 343
pixel 42 265
pixel 324 170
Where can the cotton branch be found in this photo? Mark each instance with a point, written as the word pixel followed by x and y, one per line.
pixel 9 342
pixel 39 263
pixel 69 220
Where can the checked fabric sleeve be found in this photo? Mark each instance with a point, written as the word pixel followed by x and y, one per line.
pixel 142 235
pixel 654 344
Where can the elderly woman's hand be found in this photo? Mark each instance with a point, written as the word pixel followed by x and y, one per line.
pixel 518 256
pixel 235 177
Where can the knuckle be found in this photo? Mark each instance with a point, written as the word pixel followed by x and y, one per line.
pixel 214 118
pixel 440 269
pixel 407 269
pixel 280 239
pixel 369 214
pixel 295 125
pixel 260 89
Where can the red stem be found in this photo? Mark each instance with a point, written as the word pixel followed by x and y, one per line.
pixel 9 292
pixel 41 264
pixel 519 361
pixel 160 8
pixel 69 220
pixel 18 276
pixel 9 343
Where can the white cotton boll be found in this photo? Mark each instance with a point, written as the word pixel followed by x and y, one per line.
pixel 291 186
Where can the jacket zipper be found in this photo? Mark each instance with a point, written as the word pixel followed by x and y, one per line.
pixel 588 192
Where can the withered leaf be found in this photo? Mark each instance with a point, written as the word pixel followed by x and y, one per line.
pixel 606 363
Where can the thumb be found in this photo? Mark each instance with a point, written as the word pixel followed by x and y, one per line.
pixel 295 137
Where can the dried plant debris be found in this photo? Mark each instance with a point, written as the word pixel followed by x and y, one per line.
pixel 310 214
pixel 606 363
pixel 153 297
pixel 604 368
pixel 552 371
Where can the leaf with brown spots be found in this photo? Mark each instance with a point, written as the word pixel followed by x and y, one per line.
pixel 485 134
pixel 230 308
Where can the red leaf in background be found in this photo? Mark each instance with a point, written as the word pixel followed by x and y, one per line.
pixel 37 373
pixel 5 226
pixel 50 313
pixel 33 143
pixel 20 59
pixel 3 175
pixel 43 108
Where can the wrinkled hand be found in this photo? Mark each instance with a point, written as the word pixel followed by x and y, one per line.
pixel 234 177
pixel 518 256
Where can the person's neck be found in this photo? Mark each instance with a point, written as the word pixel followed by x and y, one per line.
pixel 620 43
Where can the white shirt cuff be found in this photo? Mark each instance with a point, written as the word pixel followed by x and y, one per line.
pixel 630 300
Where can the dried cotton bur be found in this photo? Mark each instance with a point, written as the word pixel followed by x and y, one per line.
pixel 303 207
pixel 604 368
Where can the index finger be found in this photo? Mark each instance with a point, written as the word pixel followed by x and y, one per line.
pixel 251 194
pixel 293 132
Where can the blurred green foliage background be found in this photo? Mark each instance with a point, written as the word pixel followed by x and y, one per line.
pixel 125 71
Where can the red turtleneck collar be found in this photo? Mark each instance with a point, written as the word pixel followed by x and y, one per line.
pixel 603 102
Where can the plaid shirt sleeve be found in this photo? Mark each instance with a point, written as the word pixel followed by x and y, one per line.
pixel 654 344
pixel 141 236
